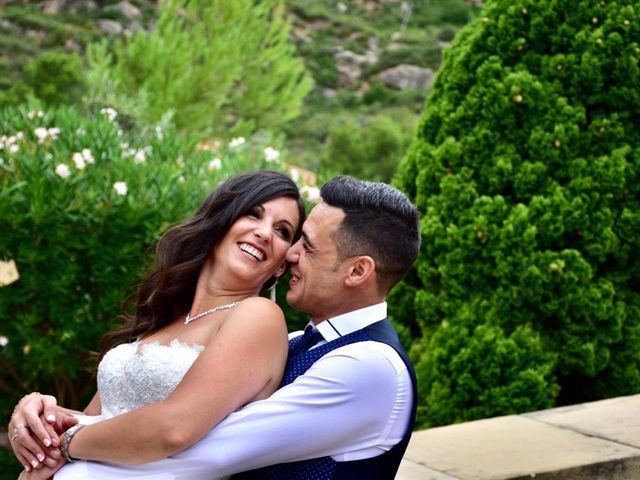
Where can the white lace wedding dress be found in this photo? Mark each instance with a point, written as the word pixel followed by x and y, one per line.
pixel 131 376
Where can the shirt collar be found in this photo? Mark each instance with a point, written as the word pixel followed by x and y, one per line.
pixel 346 323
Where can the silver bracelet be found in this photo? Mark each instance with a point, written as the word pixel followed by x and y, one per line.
pixel 66 441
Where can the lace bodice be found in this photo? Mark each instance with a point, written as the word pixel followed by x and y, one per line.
pixel 129 379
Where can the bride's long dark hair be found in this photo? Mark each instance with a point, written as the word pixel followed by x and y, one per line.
pixel 169 287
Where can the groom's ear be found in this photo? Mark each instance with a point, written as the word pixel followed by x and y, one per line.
pixel 361 270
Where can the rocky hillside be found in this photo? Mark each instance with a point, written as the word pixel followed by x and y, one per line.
pixel 368 58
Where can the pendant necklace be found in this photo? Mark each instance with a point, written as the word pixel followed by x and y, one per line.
pixel 188 319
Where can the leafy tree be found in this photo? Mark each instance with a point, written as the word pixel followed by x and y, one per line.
pixel 526 170
pixel 216 66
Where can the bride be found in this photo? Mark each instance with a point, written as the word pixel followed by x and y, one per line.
pixel 201 344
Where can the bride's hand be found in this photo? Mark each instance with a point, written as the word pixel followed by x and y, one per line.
pixel 32 436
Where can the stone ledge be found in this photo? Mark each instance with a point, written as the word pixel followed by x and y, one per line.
pixel 598 440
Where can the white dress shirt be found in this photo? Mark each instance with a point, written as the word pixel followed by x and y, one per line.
pixel 353 403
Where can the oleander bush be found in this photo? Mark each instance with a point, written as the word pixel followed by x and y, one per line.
pixel 82 203
pixel 526 171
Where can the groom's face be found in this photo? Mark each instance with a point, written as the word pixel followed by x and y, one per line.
pixel 317 278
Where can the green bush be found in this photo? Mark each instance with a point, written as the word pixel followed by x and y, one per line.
pixel 438 12
pixel 57 78
pixel 481 373
pixel 370 147
pixel 526 171
pixel 217 67
pixel 81 206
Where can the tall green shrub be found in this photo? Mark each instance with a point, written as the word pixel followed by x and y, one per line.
pixel 216 66
pixel 81 206
pixel 526 170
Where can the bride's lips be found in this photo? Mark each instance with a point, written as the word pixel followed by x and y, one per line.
pixel 253 250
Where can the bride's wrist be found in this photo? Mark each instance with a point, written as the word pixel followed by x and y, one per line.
pixel 66 442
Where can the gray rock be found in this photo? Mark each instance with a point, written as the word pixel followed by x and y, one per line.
pixel 53 7
pixel 407 76
pixel 127 10
pixel 110 27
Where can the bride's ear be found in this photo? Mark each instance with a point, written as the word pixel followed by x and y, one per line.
pixel 280 270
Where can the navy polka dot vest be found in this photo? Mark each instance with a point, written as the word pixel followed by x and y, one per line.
pixel 382 467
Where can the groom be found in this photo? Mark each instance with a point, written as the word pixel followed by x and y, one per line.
pixel 346 405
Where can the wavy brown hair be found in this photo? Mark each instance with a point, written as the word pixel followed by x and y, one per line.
pixel 169 287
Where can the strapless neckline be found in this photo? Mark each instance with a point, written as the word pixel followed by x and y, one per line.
pixel 132 375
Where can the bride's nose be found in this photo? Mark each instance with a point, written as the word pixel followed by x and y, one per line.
pixel 263 232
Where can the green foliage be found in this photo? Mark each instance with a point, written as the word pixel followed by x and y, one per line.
pixel 11 468
pixel 437 12
pixel 81 206
pixel 57 78
pixel 469 374
pixel 526 172
pixel 370 149
pixel 218 67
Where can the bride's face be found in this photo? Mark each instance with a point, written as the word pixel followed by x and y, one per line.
pixel 255 246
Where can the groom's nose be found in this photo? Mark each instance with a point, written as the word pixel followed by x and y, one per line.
pixel 293 254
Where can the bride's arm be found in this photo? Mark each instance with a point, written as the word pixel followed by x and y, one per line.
pixel 243 362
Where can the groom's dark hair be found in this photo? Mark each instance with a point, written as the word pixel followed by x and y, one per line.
pixel 380 222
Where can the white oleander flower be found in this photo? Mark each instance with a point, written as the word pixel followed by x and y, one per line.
pixel 110 113
pixel 215 164
pixel 35 114
pixel 295 174
pixel 78 159
pixel 140 157
pixel 62 170
pixel 4 341
pixel 236 142
pixel 87 155
pixel 121 188
pixel 46 134
pixel 312 194
pixel 271 155
pixel 41 133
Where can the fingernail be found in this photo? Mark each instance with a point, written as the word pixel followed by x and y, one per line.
pixel 40 457
pixel 34 463
pixel 51 417
pixel 47 442
pixel 27 468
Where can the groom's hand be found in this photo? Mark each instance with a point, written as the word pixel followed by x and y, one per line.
pixel 42 473
pixel 32 431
